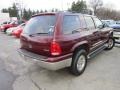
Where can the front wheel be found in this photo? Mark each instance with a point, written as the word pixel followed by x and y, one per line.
pixel 79 62
pixel 110 44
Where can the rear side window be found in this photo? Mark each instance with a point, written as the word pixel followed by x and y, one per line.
pixel 89 22
pixel 70 23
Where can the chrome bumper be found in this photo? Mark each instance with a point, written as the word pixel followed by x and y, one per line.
pixel 42 61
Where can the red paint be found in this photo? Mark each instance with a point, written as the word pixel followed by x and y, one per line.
pixel 6 26
pixel 60 46
pixel 17 32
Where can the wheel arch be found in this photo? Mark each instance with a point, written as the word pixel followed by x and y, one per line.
pixel 111 34
pixel 83 44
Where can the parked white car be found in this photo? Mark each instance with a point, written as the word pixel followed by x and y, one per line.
pixel 10 30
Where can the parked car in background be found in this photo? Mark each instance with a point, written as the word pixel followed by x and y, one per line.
pixel 17 32
pixel 12 24
pixel 117 22
pixel 10 30
pixel 6 26
pixel 116 28
pixel 6 22
pixel 64 39
pixel 109 22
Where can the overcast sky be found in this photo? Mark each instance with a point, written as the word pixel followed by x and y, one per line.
pixel 49 4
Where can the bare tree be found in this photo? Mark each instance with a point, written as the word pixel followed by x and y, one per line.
pixel 95 4
pixel 107 13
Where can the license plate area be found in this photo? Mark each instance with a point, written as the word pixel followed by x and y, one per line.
pixel 26 54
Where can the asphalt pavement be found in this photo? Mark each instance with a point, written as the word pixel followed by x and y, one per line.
pixel 102 72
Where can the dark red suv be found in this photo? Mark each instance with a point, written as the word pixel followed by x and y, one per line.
pixel 64 39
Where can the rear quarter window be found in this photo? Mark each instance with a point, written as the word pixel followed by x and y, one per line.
pixel 70 23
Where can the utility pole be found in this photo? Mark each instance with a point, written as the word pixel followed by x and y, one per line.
pixel 68 5
pixel 62 4
pixel 19 5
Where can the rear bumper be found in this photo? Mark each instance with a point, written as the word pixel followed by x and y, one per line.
pixel 42 61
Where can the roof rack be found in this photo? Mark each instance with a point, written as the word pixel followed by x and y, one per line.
pixel 85 11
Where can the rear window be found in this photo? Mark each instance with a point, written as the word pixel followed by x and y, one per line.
pixel 40 25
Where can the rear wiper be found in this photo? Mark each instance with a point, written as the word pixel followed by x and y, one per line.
pixel 37 34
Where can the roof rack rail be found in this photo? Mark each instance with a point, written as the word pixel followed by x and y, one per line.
pixel 85 11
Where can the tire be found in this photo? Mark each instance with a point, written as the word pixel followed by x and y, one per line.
pixel 77 69
pixel 110 43
pixel 5 31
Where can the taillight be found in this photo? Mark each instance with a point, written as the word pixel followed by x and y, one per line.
pixel 55 48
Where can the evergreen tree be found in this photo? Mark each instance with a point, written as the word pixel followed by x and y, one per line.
pixel 78 6
pixel 52 10
pixel 33 12
pixel 26 13
pixel 41 11
pixel 37 12
pixel 45 11
pixel 56 10
pixel 4 10
pixel 13 11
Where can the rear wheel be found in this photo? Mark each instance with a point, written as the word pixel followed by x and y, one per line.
pixel 110 44
pixel 79 62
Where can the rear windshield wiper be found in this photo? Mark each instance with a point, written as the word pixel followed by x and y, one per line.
pixel 37 34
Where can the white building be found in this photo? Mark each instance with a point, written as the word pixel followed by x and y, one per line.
pixel 4 17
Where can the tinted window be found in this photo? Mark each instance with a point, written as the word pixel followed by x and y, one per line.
pixel 83 23
pixel 4 22
pixel 70 24
pixel 40 25
pixel 89 22
pixel 98 23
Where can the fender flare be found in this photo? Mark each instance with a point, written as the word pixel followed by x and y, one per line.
pixel 78 44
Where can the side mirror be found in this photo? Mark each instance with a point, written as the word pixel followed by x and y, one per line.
pixel 104 25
